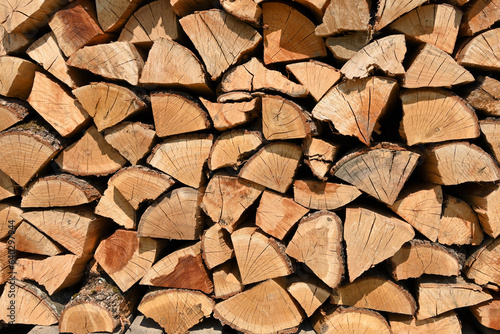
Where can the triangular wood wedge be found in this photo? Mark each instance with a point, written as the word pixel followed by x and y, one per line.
pixel 323 195
pixel 113 15
pixel 310 293
pixel 482 51
pixel 8 187
pixel 385 54
pixel 220 39
pixel 319 155
pixel 479 16
pixel 10 218
pixel 227 115
pixel 277 311
pixel 318 244
pixel 381 170
pixel 388 11
pixel 289 35
pixel 459 224
pixel 259 257
pixel 244 10
pixel 216 246
pixel 183 157
pixel 11 43
pixel 231 147
pixel 16 77
pixel 29 240
pixel 116 207
pixel 342 16
pixel 12 111
pixel 435 115
pixel 447 323
pixel 227 280
pixel 487 313
pixel 483 266
pixel 317 77
pixel 371 237
pixel 344 47
pixel 176 310
pixel 341 320
pixel 458 162
pixel 132 140
pixel 484 95
pixel 490 128
pixel 432 67
pixel 107 103
pixel 355 106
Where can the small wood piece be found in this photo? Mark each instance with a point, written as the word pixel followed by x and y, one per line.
pixel 341 320
pixel 229 115
pixel 10 218
pixel 380 170
pixel 481 15
pixel 186 7
pixel 355 106
pixel 182 269
pixel 277 311
pixel 435 115
pixel 310 294
pixel 490 132
pixel 459 224
pixel 484 95
pixel 388 11
pixel 215 33
pixel 6 265
pixel 318 244
pixel 176 310
pixel 216 246
pixel 273 166
pixel 244 10
pixel 108 103
pixel 458 162
pixel 12 111
pixel 112 15
pixel 319 156
pixel 29 240
pixel 371 237
pixel 483 265
pixel 117 60
pixel 16 76
pixel 7 186
pixel 342 16
pixel 132 140
pixel 183 157
pixel 346 46
pixel 447 323
pixel 323 195
pixel 176 215
pixel 115 206
pixel 317 77
pixel 18 16
pixel 385 54
pixel 488 314
pixel 259 256
pixel 232 147
pixel 227 281
pixel 90 155
pixel 432 67
pixel 11 43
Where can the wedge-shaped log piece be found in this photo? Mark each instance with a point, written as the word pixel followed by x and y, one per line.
pixel 483 266
pixel 11 43
pixel 289 35
pixel 176 215
pixel 355 106
pixel 228 115
pixel 220 39
pixel 163 67
pixel 372 237
pixel 479 16
pixel 317 77
pixel 117 60
pixel 273 166
pixel 459 224
pixel 244 10
pixel 490 128
pixel 227 280
pixel 344 47
pixel 318 244
pixel 437 298
pixel 277 312
pixel 5 265
pixel 181 269
pixel 132 140
pixel 435 24
pixel 447 323
pixel 341 320
pixel 284 119
pixel 385 54
pixel 16 77
pixel 85 317
pixel 388 11
pixel 29 240
pixel 183 157
pixel 216 246
pixel 481 52
pixel 420 205
pixel 342 16
pixel 90 155
pixel 277 214
pixel 112 15
pixel 31 305
pixel 151 22
pixel 259 257
pixel 310 293
pixel 323 195
pixel 7 186
pixel 18 16
pixel 186 7
pixel 176 310
pixel 380 171
pixel 25 150
pixel 484 95
pixel 12 111
pixel 319 156
pixel 458 162
pixel 435 115
pixel 10 218
pixel 488 314
pixel 232 147
pixel 254 76
pixel 376 293
pixel 227 197
pixel 108 103
pixel 432 67
pixel 420 257
pixel 116 207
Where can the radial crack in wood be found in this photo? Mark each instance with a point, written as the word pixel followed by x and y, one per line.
pixel 310 293
pixel 483 266
pixel 19 16
pixel 319 155
pixel 112 15
pixel 227 280
pixel 388 11
pixel 132 140
pixel 116 207
pixel 484 95
pixel 216 247
pixel 10 218
pixel 232 147
pixel 342 16
pixel 29 240
pixel 227 115
pixel 244 10
pixel 340 320
pixel 323 195
pixel 479 16
pixel 317 77
pixel 16 77
pixel 346 46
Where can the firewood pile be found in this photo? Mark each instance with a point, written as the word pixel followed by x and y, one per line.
pixel 263 164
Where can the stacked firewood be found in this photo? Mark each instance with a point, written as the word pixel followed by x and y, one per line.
pixel 262 163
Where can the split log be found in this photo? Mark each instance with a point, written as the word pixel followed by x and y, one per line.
pixel 342 16
pixel 115 206
pixel 176 311
pixel 458 162
pixel 490 132
pixel 323 195
pixel 389 11
pixel 11 43
pixel 10 218
pixel 107 103
pixel 459 224
pixel 8 187
pixel 340 320
pixel 7 260
pixel 232 147
pixel 481 51
pixel 215 29
pixel 216 246
pixel 245 10
pixel 346 46
pixel 289 35
pixel 355 106
pixel 484 96
pixel 385 54
pixel 319 156
pixel 310 294
pixel 317 77
pixel 432 67
pixel 90 155
pixel 176 215
pixel 277 311
pixel 372 237
pixel 447 323
pixel 380 171
pixel 318 244
pixel 112 15
pixel 132 140
pixel 259 257
pixel 18 16
pixel 117 60
pixel 16 77
pixel 29 240
pixel 229 115
pixel 12 111
pixel 479 16
pixel 186 7
pixel 488 314
pixel 483 266
pixel 227 280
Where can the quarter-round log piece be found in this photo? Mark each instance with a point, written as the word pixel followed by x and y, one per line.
pixel 16 77
pixel 93 317
pixel 490 128
pixel 481 52
pixel 5 268
pixel 115 206
pixel 176 311
pixel 112 15
pixel 108 103
pixel 232 147
pixel 344 47
pixel 132 140
pixel 12 111
pixel 388 11
pixel 381 170
pixel 355 106
pixel 459 224
pixel 289 34
pixel 447 323
pixel 488 314
pixel 227 115
pixel 245 10
pixel 29 240
pixel 342 16
pixel 273 166
pixel 227 280
pixel 216 246
pixel 435 115
pixel 318 244
pixel 263 309
pixel 341 320
pixel 483 266
pixel 323 195
pixel 10 218
pixel 310 293
pixel 319 156
pixel 317 77
pixel 480 15
pixel 484 95
pixel 7 186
